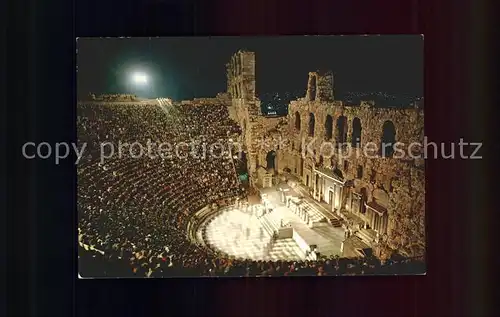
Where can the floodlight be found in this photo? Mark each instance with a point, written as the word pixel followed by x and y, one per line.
pixel 140 78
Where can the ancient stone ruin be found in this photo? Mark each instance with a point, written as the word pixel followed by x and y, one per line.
pixel 335 149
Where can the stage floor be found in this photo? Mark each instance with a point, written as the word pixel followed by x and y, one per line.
pixel 239 233
pixel 325 236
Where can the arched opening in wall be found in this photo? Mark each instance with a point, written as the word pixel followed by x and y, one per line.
pixel 341 129
pixel 356 132
pixel 373 176
pixel 333 162
pixel 328 127
pixel 359 172
pixel 271 160
pixel 301 167
pixel 240 164
pixel 388 139
pixel 297 121
pixel 312 123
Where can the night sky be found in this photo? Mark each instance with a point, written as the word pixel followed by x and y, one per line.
pixel 185 68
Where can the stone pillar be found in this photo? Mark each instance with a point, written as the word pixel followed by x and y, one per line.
pixel 341 196
pixel 320 189
pixel 333 198
pixel 313 176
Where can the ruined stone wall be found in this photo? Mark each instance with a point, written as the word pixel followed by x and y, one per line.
pixel 320 86
pixel 245 107
pixel 400 180
pixel 397 184
pixel 240 73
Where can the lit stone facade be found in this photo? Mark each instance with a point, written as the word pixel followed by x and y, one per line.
pixel 380 196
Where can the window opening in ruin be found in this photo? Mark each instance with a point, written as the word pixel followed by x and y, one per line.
pixel 297 121
pixel 356 133
pixel 328 127
pixel 388 139
pixel 270 159
pixel 360 172
pixel 373 175
pixel 341 129
pixel 312 122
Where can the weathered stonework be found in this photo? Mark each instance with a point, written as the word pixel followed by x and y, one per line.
pixel 385 196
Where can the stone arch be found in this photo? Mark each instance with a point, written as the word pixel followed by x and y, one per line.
pixel 271 160
pixel 342 129
pixel 388 139
pixel 297 121
pixel 346 166
pixel 359 172
pixel 356 132
pixel 333 162
pixel 329 127
pixel 312 123
pixel 241 163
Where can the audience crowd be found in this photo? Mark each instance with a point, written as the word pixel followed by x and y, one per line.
pixel 134 211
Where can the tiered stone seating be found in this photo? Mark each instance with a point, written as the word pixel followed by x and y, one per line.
pixel 136 210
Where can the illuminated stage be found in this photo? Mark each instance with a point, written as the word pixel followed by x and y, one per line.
pixel 242 235
pixel 273 230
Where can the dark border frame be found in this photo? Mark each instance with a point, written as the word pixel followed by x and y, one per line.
pixel 40 195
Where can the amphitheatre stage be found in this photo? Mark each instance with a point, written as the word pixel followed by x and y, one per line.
pixel 246 230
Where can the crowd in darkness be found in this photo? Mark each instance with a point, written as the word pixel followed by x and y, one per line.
pixel 134 212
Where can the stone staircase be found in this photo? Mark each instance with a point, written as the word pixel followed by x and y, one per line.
pixel 366 235
pixel 334 221
pixel 270 223
pixel 277 250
